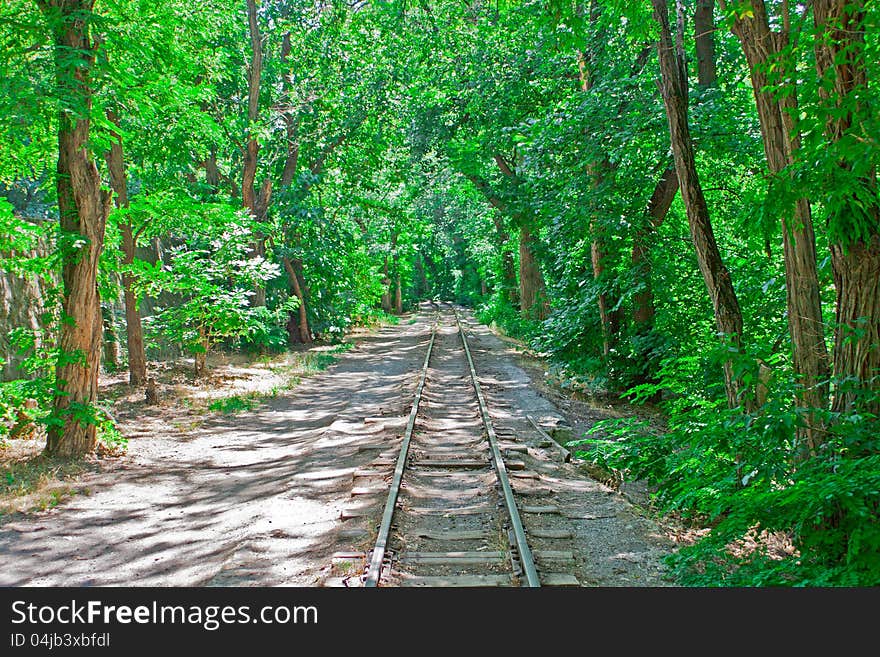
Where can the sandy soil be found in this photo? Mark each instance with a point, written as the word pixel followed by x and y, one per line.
pixel 258 498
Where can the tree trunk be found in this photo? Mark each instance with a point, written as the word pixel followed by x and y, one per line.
pixel 840 60
pixel 532 294
pixel 421 277
pixel 301 333
pixel 137 357
pixel 857 339
pixel 257 204
pixel 704 40
pixel 386 288
pixel 394 291
pixel 111 340
pixel 658 207
pixel 200 359
pixel 291 119
pixel 398 295
pixel 781 143
pixel 134 332
pixel 508 267
pixel 212 171
pixel 609 315
pixel 673 87
pixel 83 209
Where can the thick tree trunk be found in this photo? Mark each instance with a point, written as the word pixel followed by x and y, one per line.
pixel 532 294
pixel 857 339
pixel 301 333
pixel 83 209
pixel 840 60
pixel 255 68
pixel 134 332
pixel 394 289
pixel 781 142
pixel 673 86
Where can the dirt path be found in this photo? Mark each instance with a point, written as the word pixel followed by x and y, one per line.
pixel 256 498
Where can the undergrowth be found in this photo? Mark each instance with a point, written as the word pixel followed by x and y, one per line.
pixel 747 478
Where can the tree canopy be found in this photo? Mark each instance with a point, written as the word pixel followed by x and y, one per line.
pixel 675 202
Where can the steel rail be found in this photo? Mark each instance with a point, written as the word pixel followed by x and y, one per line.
pixel 525 554
pixel 375 571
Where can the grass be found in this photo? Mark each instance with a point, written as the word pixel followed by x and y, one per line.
pixel 37 483
pixel 235 404
pixel 299 366
pixel 307 363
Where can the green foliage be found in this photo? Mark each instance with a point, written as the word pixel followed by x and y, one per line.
pixel 234 404
pixel 830 515
pixel 499 312
pixel 214 280
pixel 108 434
pixel 409 152
pixel 734 472
pixel 29 398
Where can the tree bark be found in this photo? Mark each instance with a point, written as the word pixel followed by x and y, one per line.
pixel 673 87
pixel 200 359
pixel 761 47
pixel 661 199
pixel 291 119
pixel 398 295
pixel 533 300
pixel 840 59
pixel 508 268
pixel 704 40
pixel 532 294
pixel 258 205
pixel 83 209
pixel 134 332
pixel 301 333
pixel 212 171
pixel 386 288
pixel 609 314
pixel 111 340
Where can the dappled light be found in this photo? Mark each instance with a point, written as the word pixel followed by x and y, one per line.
pixel 267 267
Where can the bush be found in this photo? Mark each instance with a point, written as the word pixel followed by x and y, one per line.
pixel 741 475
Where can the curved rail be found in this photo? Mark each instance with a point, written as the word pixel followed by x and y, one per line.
pixel 375 571
pixel 525 554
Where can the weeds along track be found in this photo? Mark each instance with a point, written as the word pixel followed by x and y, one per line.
pixel 451 516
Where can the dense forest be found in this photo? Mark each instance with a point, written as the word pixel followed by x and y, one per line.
pixel 675 202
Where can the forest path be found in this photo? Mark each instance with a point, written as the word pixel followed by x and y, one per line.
pixel 255 499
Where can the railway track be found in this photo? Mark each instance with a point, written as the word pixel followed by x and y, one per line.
pixel 453 515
